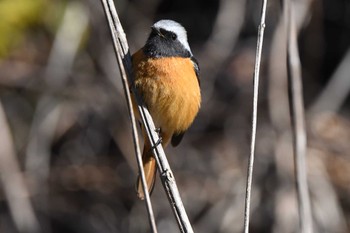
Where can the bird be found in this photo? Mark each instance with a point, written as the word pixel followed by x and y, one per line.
pixel 166 77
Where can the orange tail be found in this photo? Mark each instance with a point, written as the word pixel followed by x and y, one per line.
pixel 149 166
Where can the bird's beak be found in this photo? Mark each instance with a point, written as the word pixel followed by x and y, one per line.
pixel 156 30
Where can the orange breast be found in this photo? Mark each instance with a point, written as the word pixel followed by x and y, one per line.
pixel 170 89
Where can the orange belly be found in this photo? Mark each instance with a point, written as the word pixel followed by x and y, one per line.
pixel 170 89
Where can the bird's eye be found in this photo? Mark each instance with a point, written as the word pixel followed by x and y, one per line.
pixel 173 36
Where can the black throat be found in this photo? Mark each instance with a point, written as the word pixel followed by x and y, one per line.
pixel 164 46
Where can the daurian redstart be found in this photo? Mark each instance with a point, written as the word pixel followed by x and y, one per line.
pixel 166 77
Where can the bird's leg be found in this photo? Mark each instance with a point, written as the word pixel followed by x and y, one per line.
pixel 159 132
pixel 159 141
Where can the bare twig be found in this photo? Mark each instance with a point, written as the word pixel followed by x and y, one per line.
pixel 122 52
pixel 15 190
pixel 298 122
pixel 125 66
pixel 254 117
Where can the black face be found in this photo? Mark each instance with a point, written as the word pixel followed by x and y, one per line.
pixel 163 43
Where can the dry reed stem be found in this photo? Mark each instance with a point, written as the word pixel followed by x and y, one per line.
pixel 254 117
pixel 298 122
pixel 121 55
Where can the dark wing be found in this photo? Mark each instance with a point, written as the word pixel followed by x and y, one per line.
pixel 176 139
pixel 196 68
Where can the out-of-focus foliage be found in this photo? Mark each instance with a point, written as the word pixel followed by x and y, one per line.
pixel 16 17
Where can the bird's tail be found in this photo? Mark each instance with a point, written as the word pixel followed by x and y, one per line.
pixel 149 166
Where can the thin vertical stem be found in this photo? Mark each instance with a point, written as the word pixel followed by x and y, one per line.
pixel 298 123
pixel 111 15
pixel 254 117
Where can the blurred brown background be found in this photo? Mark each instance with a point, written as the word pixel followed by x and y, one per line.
pixel 66 155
